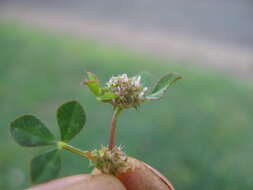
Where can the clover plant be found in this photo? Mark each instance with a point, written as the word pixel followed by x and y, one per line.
pixel 121 91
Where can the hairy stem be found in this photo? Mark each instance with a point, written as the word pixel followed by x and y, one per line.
pixel 115 115
pixel 65 146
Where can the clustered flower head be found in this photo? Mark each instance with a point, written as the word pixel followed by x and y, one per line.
pixel 129 90
pixel 125 92
pixel 110 161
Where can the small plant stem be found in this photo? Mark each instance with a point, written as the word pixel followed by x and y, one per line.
pixel 65 146
pixel 115 115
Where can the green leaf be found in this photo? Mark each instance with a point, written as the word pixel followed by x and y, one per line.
pixel 93 84
pixel 162 85
pixel 71 119
pixel 91 76
pixel 45 167
pixel 107 96
pixel 27 130
pixel 94 87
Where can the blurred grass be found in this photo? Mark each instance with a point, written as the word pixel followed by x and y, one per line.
pixel 199 135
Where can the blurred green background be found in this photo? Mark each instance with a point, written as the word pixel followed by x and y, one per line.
pixel 199 135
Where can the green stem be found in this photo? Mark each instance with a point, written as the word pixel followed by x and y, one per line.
pixel 65 146
pixel 115 115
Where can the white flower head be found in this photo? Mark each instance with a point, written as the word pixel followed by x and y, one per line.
pixel 129 90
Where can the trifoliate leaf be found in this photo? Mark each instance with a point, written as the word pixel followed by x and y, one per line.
pixel 71 119
pixel 27 130
pixel 162 86
pixel 45 167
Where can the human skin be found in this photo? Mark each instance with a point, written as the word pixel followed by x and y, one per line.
pixel 145 177
pixel 82 182
pixel 142 177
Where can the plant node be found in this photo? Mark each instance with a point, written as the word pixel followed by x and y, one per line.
pixel 110 161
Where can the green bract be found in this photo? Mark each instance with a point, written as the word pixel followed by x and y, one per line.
pixel 92 82
pixel 102 94
pixel 107 96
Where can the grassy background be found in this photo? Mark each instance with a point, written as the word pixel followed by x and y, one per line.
pixel 199 135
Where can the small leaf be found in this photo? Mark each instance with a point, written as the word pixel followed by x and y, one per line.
pixel 27 130
pixel 107 96
pixel 93 84
pixel 94 87
pixel 45 167
pixel 71 119
pixel 162 85
pixel 91 76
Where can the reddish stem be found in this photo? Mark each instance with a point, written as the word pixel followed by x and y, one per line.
pixel 113 128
